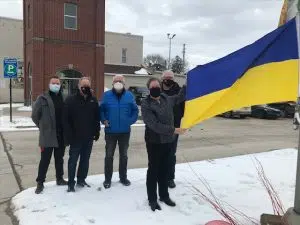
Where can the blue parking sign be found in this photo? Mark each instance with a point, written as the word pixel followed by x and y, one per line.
pixel 10 67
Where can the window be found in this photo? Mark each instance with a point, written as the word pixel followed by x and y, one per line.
pixel 70 16
pixel 124 55
pixel 28 16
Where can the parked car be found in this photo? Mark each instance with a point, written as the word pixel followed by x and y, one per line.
pixel 238 113
pixel 139 93
pixel 266 112
pixel 288 108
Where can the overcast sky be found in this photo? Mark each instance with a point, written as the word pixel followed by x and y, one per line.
pixel 210 28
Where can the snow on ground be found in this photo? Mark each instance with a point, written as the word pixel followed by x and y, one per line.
pixel 18 122
pixel 25 109
pixel 14 105
pixel 233 180
pixel 25 124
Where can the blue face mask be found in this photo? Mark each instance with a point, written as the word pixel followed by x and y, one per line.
pixel 54 88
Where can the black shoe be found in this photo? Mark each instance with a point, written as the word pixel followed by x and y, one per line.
pixel 171 184
pixel 85 184
pixel 39 188
pixel 71 189
pixel 61 182
pixel 125 182
pixel 106 184
pixel 168 202
pixel 154 206
pixel 82 184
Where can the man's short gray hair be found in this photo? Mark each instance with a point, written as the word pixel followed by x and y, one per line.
pixel 85 78
pixel 119 77
pixel 167 74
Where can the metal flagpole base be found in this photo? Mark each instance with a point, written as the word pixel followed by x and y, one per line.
pixel 291 217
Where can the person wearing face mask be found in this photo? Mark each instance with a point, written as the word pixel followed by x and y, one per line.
pixel 82 127
pixel 118 112
pixel 47 115
pixel 160 132
pixel 171 88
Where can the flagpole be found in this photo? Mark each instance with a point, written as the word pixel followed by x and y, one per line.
pixel 297 188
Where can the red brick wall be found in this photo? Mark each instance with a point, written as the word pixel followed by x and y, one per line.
pixel 50 48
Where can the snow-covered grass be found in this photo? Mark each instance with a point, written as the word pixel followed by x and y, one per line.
pixel 25 109
pixel 233 180
pixel 18 122
pixel 14 105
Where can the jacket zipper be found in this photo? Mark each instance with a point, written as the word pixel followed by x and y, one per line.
pixel 119 112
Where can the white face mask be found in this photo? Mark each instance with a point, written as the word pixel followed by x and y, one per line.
pixel 118 86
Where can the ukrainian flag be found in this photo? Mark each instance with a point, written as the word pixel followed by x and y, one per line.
pixel 263 72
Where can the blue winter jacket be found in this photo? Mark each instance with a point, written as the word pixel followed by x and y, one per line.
pixel 121 112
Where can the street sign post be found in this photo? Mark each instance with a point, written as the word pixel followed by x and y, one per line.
pixel 10 66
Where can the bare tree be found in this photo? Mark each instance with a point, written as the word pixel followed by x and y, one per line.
pixel 152 59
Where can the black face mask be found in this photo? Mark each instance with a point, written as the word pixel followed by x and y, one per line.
pixel 86 90
pixel 169 83
pixel 155 92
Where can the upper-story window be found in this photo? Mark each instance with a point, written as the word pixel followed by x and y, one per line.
pixel 124 55
pixel 70 16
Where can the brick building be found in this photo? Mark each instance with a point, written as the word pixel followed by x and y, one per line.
pixel 64 37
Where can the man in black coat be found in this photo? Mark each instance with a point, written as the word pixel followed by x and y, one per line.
pixel 47 116
pixel 81 128
pixel 171 88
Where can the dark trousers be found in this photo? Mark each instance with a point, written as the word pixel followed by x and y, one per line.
pixel 172 160
pixel 111 143
pixel 158 156
pixel 46 154
pixel 83 150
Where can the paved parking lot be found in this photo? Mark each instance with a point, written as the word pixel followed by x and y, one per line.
pixel 215 138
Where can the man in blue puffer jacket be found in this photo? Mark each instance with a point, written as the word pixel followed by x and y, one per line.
pixel 118 111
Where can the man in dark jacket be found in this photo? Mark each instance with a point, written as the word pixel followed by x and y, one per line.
pixel 171 88
pixel 118 112
pixel 159 136
pixel 47 115
pixel 82 127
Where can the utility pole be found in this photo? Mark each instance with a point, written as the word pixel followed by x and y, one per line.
pixel 170 37
pixel 183 56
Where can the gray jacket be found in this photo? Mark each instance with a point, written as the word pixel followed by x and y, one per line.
pixel 158 117
pixel 43 115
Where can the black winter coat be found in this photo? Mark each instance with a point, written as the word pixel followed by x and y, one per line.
pixel 178 110
pixel 81 118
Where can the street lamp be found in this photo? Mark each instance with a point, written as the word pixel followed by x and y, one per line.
pixel 170 37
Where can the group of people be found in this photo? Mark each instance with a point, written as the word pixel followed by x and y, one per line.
pixel 75 122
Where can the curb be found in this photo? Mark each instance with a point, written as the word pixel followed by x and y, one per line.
pixel 36 129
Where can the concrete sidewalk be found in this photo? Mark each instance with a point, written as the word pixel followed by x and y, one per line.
pixel 8 184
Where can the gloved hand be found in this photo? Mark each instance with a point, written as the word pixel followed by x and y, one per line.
pixel 96 137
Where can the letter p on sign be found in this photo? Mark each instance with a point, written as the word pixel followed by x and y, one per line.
pixel 11 68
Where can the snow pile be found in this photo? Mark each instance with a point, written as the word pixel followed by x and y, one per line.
pixel 142 71
pixel 25 109
pixel 18 122
pixel 233 180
